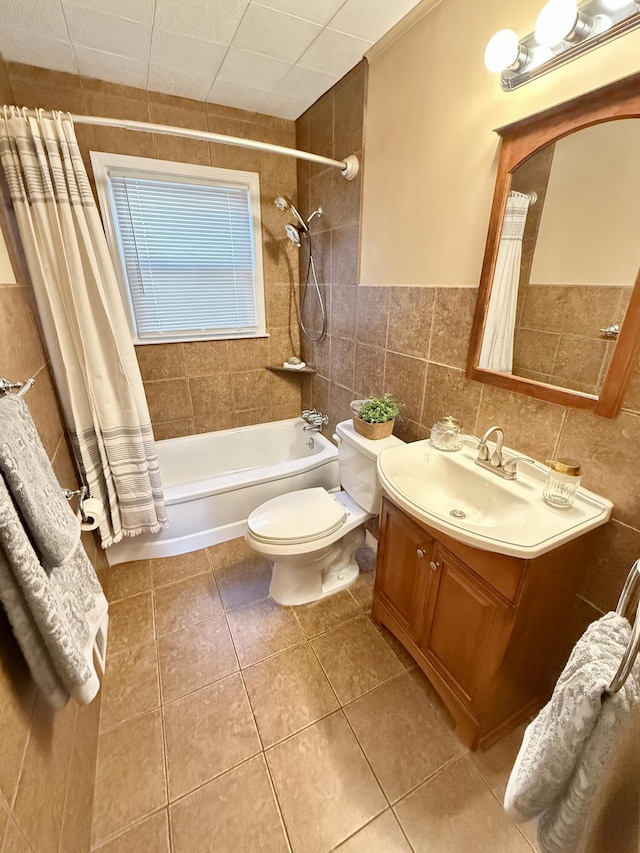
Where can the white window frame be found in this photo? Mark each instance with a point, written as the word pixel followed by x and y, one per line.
pixel 105 164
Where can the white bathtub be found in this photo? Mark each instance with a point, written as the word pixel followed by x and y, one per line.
pixel 214 480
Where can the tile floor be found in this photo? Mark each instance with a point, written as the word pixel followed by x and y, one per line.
pixel 230 723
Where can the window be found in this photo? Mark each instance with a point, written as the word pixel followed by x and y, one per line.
pixel 185 241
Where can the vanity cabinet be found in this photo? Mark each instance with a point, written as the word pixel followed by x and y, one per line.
pixel 481 626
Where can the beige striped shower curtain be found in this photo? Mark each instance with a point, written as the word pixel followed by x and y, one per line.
pixel 84 322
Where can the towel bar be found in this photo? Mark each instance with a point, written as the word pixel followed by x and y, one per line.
pixel 633 648
pixel 21 387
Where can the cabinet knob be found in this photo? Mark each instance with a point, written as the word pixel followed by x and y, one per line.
pixel 434 566
pixel 420 553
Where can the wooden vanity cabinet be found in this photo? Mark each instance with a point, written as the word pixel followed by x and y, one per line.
pixel 481 626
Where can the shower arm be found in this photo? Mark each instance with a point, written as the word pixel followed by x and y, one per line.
pixel 349 166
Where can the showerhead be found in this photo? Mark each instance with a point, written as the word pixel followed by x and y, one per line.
pixel 293 233
pixel 283 203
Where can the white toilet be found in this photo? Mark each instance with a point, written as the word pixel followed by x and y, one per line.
pixel 312 535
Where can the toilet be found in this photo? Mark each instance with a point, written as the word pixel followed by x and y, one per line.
pixel 312 535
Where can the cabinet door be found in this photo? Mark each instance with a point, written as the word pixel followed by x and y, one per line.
pixel 464 630
pixel 403 567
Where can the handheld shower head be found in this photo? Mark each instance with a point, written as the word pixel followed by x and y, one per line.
pixel 293 233
pixel 283 203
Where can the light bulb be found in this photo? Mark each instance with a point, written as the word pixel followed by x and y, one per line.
pixel 601 23
pixel 502 51
pixel 556 21
pixel 540 55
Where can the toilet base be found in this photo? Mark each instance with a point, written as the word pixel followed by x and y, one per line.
pixel 303 578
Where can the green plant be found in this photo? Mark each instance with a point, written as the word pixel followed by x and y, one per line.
pixel 379 410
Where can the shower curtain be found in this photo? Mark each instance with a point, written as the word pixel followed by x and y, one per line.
pixel 497 342
pixel 84 322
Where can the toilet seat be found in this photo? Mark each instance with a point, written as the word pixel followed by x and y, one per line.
pixel 297 517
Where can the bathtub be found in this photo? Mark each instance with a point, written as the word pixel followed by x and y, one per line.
pixel 214 480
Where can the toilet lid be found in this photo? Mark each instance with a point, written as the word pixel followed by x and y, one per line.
pixel 297 517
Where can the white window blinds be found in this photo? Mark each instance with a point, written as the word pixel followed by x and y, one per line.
pixel 188 255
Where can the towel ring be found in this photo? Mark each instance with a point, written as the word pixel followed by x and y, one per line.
pixel 633 647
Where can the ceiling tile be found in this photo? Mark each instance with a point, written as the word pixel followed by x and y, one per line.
pixel 171 81
pixel 284 106
pixel 38 16
pixel 318 11
pixel 241 97
pixel 111 67
pixel 210 20
pixel 368 20
pixel 134 10
pixel 275 34
pixel 196 57
pixel 251 69
pixel 33 49
pixel 305 84
pixel 107 33
pixel 334 52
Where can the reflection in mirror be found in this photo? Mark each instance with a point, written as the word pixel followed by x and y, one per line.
pixel 567 259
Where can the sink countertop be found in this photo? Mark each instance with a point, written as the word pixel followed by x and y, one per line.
pixel 504 516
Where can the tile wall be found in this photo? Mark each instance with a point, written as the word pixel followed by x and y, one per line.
pixel 413 342
pixel 558 338
pixel 47 769
pixel 200 386
pixel 333 127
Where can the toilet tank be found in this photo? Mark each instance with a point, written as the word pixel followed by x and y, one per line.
pixel 357 458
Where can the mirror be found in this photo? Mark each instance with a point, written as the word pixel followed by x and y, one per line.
pixel 558 313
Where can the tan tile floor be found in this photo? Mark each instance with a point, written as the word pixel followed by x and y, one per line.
pixel 233 725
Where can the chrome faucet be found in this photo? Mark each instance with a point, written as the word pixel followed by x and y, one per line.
pixel 314 420
pixel 495 461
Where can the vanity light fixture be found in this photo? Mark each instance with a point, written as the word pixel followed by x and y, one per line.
pixel 564 30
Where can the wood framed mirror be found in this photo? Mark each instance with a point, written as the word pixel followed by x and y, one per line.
pixel 558 310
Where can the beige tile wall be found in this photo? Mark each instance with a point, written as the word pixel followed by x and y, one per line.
pixel 558 338
pixel 334 127
pixel 197 387
pixel 48 761
pixel 413 341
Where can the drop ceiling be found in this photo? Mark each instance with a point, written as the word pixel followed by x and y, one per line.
pixel 275 57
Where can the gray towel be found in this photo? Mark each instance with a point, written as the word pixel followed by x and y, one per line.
pixel 566 748
pixel 48 586
pixel 53 529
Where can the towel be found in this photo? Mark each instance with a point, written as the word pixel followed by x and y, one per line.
pixel 48 586
pixel 565 750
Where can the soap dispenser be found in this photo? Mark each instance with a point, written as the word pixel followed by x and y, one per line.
pixel 562 483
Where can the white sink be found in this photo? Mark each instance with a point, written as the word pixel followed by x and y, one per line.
pixel 504 516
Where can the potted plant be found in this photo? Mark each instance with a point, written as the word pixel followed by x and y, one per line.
pixel 374 417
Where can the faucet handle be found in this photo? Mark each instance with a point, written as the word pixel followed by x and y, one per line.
pixel 483 452
pixel 510 465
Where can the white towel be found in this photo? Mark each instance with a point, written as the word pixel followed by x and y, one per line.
pixel 566 748
pixel 48 586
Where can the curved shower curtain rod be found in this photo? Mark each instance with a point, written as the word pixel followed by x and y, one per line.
pixel 349 166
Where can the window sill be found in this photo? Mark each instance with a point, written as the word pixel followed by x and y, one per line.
pixel 182 340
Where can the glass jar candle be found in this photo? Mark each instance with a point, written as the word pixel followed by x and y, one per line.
pixel 447 434
pixel 562 483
